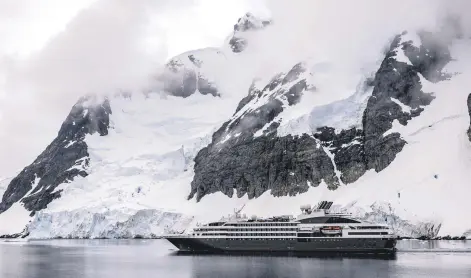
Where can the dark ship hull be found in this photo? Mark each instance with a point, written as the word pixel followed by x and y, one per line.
pixel 304 245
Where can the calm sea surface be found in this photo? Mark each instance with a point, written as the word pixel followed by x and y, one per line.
pixel 156 258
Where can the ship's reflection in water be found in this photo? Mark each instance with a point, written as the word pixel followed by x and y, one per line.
pixel 279 266
pixel 152 258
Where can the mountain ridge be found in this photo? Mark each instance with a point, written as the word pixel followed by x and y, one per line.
pixel 396 81
pixel 169 157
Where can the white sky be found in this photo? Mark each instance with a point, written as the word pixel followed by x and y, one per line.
pixel 41 35
pixel 26 25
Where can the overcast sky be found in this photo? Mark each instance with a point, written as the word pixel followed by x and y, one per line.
pixel 51 46
pixel 53 51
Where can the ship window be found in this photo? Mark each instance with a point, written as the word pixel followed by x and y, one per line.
pixel 215 224
pixel 326 219
pixel 372 227
pixel 315 220
pixel 341 220
pixel 367 233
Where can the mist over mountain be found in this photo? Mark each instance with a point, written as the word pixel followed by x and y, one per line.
pixel 368 109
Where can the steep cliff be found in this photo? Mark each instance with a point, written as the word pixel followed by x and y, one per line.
pixel 247 155
pixel 196 146
pixel 62 161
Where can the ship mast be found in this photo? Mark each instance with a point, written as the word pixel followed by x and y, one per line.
pixel 237 211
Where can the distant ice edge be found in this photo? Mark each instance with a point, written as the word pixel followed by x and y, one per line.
pixel 112 223
pixel 153 223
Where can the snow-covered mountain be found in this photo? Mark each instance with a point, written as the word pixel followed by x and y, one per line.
pixel 243 29
pixel 394 149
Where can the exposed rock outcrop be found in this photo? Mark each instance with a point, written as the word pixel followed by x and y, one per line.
pixel 346 148
pixel 62 161
pixel 185 74
pixel 398 95
pixel 247 156
pixel 248 22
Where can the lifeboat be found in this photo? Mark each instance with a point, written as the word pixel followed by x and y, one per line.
pixel 331 230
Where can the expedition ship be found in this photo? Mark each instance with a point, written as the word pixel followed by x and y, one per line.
pixel 315 230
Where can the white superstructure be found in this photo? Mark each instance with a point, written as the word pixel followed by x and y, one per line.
pixel 318 222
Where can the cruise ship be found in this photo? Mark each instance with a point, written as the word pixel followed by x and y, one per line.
pixel 315 230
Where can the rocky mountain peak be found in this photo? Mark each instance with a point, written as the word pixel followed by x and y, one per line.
pixel 250 22
pixel 247 23
pixel 283 139
pixel 190 72
pixel 248 157
pixel 63 160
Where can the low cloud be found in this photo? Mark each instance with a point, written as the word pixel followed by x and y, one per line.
pixel 118 44
pixel 110 45
pixel 347 34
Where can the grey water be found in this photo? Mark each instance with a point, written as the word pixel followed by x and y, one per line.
pixel 157 258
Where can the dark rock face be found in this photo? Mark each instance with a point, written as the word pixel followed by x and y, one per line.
pixel 246 23
pixel 238 44
pixel 286 166
pixel 249 22
pixel 282 88
pixel 205 87
pixel 63 160
pixel 469 112
pixel 182 83
pixel 347 149
pixel 240 159
pixel 245 154
pixel 397 83
pixel 183 79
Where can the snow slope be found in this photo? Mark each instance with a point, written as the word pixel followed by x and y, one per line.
pixel 140 173
pixel 421 192
pixel 15 219
pixel 135 169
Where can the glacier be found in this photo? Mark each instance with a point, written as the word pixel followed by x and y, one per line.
pixel 139 174
pixel 107 223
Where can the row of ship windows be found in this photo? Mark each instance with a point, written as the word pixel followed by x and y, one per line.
pixel 226 228
pixel 316 240
pixel 365 242
pixel 248 234
pixel 290 233
pixel 350 244
pixel 263 224
pixel 254 238
pixel 367 233
pixel 283 234
pixel 369 227
pixel 249 229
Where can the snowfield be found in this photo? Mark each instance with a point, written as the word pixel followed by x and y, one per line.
pixel 140 173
